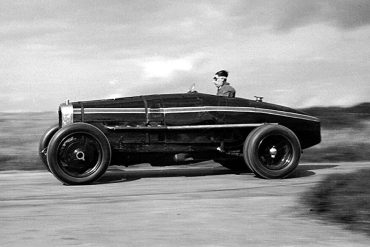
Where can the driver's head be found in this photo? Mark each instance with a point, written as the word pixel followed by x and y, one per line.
pixel 220 78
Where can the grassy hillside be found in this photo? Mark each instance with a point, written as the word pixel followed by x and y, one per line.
pixel 342 118
pixel 345 136
pixel 19 137
pixel 342 198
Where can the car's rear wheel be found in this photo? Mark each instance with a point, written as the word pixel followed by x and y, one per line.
pixel 79 153
pixel 272 151
pixel 44 142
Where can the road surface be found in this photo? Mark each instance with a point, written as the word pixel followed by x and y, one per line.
pixel 198 205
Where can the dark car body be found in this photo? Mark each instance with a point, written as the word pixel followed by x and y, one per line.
pixel 142 128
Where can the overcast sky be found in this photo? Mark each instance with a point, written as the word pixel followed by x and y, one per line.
pixel 296 53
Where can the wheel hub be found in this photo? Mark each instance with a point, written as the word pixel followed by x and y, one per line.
pixel 273 152
pixel 80 154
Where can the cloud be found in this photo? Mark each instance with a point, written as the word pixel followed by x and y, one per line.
pixel 344 14
pixel 164 67
pixel 113 82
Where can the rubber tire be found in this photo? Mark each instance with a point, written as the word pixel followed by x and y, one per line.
pixel 247 140
pixel 251 145
pixel 79 128
pixel 44 142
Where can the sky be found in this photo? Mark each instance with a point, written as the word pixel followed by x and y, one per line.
pixel 296 53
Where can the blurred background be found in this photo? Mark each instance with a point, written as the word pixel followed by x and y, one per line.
pixel 312 55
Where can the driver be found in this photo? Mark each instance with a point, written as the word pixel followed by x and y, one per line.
pixel 223 87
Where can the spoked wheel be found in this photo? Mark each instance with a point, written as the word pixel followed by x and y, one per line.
pixel 79 154
pixel 272 151
pixel 275 152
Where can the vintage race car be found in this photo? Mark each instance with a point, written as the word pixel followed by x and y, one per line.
pixel 168 128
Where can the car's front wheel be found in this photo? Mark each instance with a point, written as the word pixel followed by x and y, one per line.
pixel 272 151
pixel 79 153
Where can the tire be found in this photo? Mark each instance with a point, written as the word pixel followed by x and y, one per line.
pixel 246 160
pixel 272 151
pixel 79 153
pixel 44 142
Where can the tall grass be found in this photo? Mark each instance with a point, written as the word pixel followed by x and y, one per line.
pixel 343 198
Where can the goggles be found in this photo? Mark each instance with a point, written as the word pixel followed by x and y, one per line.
pixel 216 78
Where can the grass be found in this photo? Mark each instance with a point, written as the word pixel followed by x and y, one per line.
pixel 19 137
pixel 341 118
pixel 341 152
pixel 344 199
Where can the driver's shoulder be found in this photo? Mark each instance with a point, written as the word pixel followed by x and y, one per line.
pixel 228 87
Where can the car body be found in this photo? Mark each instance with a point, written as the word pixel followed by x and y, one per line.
pixel 164 128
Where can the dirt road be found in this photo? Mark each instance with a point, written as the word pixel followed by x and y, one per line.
pixel 197 205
